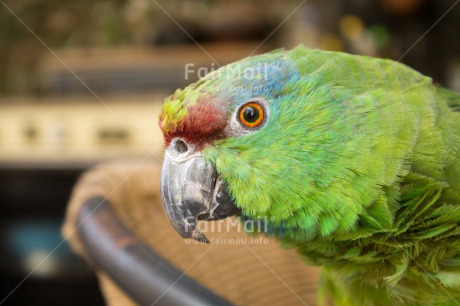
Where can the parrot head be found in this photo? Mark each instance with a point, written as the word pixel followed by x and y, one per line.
pixel 267 139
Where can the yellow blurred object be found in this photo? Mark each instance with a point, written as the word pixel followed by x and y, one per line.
pixel 351 27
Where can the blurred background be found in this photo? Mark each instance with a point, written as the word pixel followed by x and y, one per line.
pixel 83 81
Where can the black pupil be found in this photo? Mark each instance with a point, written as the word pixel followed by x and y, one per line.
pixel 251 114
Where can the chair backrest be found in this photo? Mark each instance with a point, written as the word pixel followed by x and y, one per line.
pixel 234 267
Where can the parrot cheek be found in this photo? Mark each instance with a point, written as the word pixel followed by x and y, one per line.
pixel 192 190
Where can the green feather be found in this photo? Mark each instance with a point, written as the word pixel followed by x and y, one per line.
pixel 358 168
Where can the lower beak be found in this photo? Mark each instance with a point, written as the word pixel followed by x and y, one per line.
pixel 192 190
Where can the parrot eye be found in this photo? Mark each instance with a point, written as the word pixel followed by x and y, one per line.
pixel 249 117
pixel 251 114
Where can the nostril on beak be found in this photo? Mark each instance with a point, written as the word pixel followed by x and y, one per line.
pixel 180 146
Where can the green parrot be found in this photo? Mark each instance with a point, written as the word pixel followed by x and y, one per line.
pixel 353 161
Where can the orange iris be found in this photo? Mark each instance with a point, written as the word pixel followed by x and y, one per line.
pixel 251 114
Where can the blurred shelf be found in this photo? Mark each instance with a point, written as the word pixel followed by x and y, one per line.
pixel 69 131
pixel 135 69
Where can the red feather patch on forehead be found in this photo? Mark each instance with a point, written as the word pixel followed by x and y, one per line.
pixel 204 123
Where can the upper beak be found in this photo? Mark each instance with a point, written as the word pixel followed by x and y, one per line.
pixel 192 190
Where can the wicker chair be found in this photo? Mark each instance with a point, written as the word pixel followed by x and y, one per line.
pixel 115 220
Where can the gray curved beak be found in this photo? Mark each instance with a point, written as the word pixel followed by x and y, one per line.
pixel 192 190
